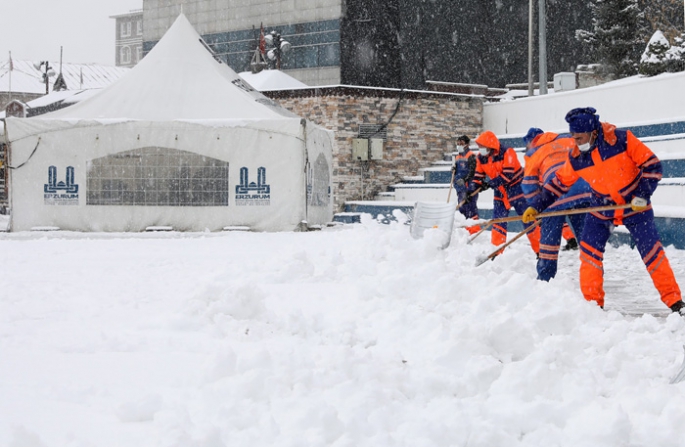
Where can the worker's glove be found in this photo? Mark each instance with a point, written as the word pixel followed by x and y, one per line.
pixel 639 204
pixel 454 169
pixel 484 185
pixel 459 182
pixel 529 215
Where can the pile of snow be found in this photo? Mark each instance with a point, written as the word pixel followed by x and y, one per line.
pixel 355 335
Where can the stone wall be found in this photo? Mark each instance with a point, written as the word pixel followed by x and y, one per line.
pixel 422 131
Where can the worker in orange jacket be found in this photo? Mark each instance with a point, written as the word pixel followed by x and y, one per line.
pixel 620 170
pixel 545 153
pixel 503 168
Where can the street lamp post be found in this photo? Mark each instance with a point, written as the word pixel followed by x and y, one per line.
pixel 280 46
pixel 531 87
pixel 542 32
pixel 46 74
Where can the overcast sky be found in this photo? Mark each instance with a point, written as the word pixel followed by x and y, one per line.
pixel 35 29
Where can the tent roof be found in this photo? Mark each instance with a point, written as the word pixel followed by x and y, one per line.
pixel 178 80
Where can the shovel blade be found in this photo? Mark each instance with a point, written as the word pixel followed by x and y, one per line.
pixel 681 373
pixel 432 215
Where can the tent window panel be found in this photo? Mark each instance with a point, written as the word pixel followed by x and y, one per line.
pixel 157 176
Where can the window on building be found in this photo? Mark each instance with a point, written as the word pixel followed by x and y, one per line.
pixel 125 55
pixel 157 176
pixel 139 53
pixel 139 27
pixel 125 29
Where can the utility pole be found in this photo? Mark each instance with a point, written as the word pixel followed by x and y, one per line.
pixel 543 48
pixel 531 87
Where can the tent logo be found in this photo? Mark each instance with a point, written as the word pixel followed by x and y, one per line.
pixel 250 193
pixel 60 193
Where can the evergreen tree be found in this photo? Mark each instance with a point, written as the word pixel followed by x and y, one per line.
pixel 656 56
pixel 676 54
pixel 616 37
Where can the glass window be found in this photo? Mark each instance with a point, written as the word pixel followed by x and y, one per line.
pixel 155 176
pixel 125 55
pixel 139 27
pixel 125 29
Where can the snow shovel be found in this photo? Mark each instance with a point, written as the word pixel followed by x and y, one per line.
pixel 485 225
pixel 463 202
pixel 481 260
pixel 557 213
pixel 449 194
pixel 432 215
pixel 681 374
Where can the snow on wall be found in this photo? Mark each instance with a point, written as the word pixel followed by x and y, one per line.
pixel 626 102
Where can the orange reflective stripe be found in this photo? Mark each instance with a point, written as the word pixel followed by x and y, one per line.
pixel 664 280
pixel 652 252
pixel 657 263
pixel 592 250
pixel 584 257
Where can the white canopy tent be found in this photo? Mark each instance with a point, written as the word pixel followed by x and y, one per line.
pixel 180 141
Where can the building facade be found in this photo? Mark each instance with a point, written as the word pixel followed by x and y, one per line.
pixel 129 38
pixel 383 43
pixel 232 30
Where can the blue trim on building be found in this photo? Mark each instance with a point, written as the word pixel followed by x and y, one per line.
pixel 643 131
pixel 314 44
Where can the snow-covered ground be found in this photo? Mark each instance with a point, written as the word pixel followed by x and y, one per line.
pixel 354 336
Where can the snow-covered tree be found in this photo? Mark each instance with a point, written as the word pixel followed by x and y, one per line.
pixel 676 54
pixel 655 58
pixel 616 35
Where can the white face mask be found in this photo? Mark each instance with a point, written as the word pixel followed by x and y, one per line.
pixel 586 146
pixel 461 149
pixel 484 151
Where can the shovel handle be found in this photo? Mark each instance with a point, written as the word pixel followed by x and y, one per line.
pixel 468 196
pixel 449 194
pixel 508 243
pixel 557 213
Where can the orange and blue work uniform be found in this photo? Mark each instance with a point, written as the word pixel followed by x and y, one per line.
pixel 619 168
pixel 465 168
pixel 548 153
pixel 504 170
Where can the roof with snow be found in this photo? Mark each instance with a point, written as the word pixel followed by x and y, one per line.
pixel 268 80
pixel 178 80
pixel 27 79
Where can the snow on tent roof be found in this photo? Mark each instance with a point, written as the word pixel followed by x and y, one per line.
pixel 271 80
pixel 178 80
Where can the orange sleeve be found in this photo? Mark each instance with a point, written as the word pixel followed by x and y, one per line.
pixel 637 150
pixel 511 160
pixel 566 175
pixel 532 166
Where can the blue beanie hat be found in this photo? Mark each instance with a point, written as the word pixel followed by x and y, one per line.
pixel 582 120
pixel 532 133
